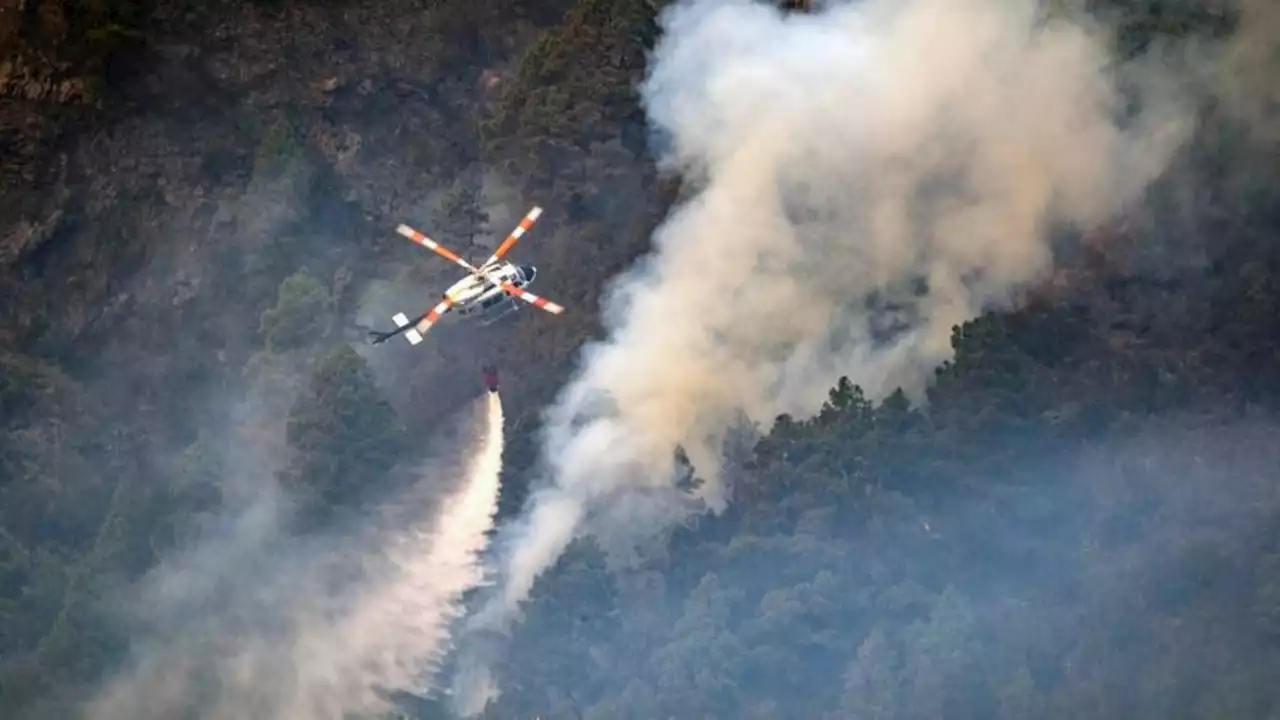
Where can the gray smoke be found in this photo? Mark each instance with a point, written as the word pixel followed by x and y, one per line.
pixel 869 176
pixel 1248 79
pixel 257 623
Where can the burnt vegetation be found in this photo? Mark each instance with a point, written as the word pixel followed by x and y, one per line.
pixel 1081 523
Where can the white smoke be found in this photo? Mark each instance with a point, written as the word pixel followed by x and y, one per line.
pixel 869 176
pixel 309 650
pixel 1248 80
pixel 396 634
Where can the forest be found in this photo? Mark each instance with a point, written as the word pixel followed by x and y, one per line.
pixel 1078 517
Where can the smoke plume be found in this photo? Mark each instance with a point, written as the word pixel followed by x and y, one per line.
pixel 867 177
pixel 321 630
pixel 1249 78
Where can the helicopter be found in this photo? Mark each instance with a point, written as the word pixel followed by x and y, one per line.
pixel 489 292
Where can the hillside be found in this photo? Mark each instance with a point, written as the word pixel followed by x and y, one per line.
pixel 184 241
pixel 197 205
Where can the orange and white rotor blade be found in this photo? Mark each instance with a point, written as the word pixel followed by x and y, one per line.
pixel 430 244
pixel 527 222
pixel 534 300
pixel 426 321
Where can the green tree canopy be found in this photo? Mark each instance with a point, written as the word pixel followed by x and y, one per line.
pixel 462 215
pixel 343 432
pixel 299 313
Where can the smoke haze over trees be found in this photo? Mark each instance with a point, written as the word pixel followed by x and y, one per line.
pixel 1072 515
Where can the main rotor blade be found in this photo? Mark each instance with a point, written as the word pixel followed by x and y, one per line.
pixel 430 244
pixel 429 319
pixel 534 300
pixel 527 222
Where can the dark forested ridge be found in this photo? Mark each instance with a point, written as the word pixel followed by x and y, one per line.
pixel 196 212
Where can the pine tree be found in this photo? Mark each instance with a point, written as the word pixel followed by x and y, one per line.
pixel 343 432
